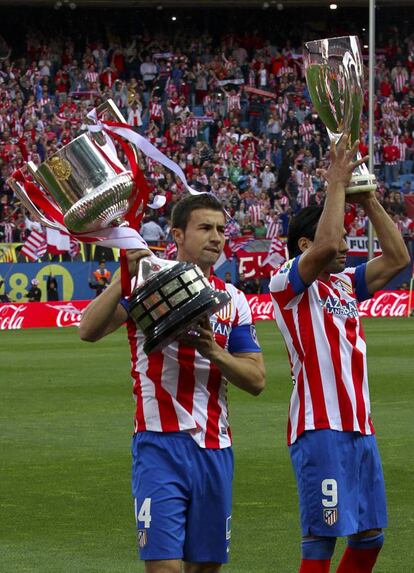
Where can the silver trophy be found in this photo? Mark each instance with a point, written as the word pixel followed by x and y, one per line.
pixel 169 300
pixel 92 190
pixel 335 76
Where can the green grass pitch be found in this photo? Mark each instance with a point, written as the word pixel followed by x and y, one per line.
pixel 66 418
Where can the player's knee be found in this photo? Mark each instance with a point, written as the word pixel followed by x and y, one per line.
pixel 318 548
pixel 202 567
pixel 370 539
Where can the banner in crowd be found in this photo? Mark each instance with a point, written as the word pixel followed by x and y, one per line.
pixel 15 316
pixel 260 92
pixel 358 246
pixel 72 279
pixel 235 81
pixel 251 264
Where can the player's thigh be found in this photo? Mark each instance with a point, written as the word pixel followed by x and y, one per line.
pixel 208 534
pixel 371 485
pixel 161 493
pixel 326 472
pixel 163 566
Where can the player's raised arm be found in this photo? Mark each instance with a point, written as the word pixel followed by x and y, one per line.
pixel 330 230
pixel 395 256
pixel 105 313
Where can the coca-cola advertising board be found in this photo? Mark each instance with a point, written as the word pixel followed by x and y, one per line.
pixel 389 304
pixel 14 316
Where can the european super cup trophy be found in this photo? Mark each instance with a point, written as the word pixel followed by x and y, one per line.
pixel 334 75
pixel 83 189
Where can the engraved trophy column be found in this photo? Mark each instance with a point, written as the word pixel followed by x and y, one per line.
pixel 335 75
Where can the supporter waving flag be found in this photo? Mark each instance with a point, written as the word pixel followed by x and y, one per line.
pixel 35 246
pixel 277 253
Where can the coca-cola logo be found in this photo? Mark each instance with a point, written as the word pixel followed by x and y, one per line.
pixel 261 307
pixel 387 303
pixel 11 316
pixel 67 314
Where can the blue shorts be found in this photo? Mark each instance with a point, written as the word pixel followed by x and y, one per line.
pixel 340 483
pixel 183 496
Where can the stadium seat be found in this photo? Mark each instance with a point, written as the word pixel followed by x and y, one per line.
pixel 402 179
pixel 198 110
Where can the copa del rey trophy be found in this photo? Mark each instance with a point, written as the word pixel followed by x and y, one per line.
pixel 335 75
pixel 84 190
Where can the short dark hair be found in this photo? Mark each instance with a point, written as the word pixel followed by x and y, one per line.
pixel 183 209
pixel 303 224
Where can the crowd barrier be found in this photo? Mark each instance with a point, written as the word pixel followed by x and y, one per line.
pixel 16 316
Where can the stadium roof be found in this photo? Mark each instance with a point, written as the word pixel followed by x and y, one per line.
pixel 194 4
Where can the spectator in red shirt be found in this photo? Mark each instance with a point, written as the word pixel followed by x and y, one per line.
pixel 391 158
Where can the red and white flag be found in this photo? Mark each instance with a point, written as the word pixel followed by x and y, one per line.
pixel 35 245
pixel 277 253
pixel 57 242
pixel 273 229
pixel 74 247
pixel 237 245
pixel 170 251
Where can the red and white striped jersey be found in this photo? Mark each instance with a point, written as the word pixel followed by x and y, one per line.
pixel 306 130
pixel 399 80
pixel 303 197
pixel 273 227
pixel 255 214
pixel 177 389
pixel 233 102
pixel 402 146
pixel 91 76
pixel 192 127
pixel 326 347
pixel 155 110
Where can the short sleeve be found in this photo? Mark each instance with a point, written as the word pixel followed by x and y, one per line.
pixel 125 303
pixel 361 287
pixel 286 286
pixel 243 337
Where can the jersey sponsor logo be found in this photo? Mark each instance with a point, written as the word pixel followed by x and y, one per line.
pixel 142 538
pixel 333 305
pixel 221 329
pixel 330 516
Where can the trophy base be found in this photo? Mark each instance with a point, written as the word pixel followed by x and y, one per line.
pixel 167 304
pixel 362 184
pixel 102 206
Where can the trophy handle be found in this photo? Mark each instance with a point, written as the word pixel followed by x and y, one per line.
pixel 22 195
pixel 111 108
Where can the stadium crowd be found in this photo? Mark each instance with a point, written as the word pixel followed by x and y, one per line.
pixel 233 111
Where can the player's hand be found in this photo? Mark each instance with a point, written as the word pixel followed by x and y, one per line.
pixel 361 198
pixel 200 337
pixel 342 162
pixel 133 258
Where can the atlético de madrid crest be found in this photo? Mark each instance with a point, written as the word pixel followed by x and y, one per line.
pixel 142 537
pixel 330 516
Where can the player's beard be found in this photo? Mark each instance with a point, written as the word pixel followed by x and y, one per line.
pixel 337 265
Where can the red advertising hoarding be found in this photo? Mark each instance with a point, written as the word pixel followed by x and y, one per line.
pixel 14 316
